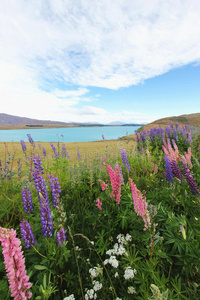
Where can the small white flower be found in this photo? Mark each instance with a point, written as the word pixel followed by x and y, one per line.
pixel 131 290
pixel 97 285
pixel 129 273
pixel 116 274
pixel 92 242
pixel 71 297
pixel 128 237
pixel 196 219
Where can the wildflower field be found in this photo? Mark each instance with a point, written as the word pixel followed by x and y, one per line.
pixel 114 225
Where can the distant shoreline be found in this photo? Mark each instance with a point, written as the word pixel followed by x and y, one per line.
pixel 46 126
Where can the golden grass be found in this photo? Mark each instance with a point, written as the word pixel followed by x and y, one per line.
pixel 86 149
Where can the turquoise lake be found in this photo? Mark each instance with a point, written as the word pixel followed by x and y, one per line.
pixel 73 134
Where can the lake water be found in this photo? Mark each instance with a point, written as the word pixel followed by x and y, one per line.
pixel 72 134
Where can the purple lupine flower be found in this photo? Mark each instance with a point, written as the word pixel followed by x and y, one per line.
pixel 40 186
pixel 78 154
pixel 54 150
pixel 23 146
pixel 27 200
pixel 44 151
pixel 141 149
pixel 125 160
pixel 103 137
pixel 190 180
pixel 55 189
pixel 0 166
pixel 190 138
pixel 176 170
pixel 103 159
pixel 27 234
pixel 64 151
pixel 38 164
pixel 169 173
pixel 46 218
pixel 31 140
pixel 61 237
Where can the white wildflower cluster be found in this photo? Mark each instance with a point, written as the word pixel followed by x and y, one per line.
pixel 129 273
pixel 94 272
pixel 71 297
pixel 112 261
pixel 124 239
pixel 91 294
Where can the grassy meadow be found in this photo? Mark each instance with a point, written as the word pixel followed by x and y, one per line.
pixel 114 219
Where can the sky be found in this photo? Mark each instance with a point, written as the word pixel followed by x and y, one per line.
pixel 133 61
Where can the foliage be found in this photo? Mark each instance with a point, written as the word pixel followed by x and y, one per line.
pixel 108 253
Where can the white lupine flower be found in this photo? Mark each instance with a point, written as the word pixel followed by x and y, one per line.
pixel 71 297
pixel 129 273
pixel 131 290
pixel 97 285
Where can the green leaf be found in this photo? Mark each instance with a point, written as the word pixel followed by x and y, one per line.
pixel 39 267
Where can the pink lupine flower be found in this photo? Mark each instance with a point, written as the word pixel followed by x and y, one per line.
pixel 116 181
pixel 172 154
pixel 140 204
pixel 148 153
pixel 15 265
pixel 99 203
pixel 188 156
pixel 104 186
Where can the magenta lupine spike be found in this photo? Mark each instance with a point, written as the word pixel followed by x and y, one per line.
pixel 15 265
pixel 99 204
pixel 55 189
pixel 104 186
pixel 140 204
pixel 27 234
pixel 116 181
pixel 27 200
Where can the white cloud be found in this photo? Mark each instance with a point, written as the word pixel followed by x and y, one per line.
pixel 106 43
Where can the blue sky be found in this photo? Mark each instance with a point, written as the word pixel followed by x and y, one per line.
pixel 100 61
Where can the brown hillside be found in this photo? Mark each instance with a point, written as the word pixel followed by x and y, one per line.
pixel 192 119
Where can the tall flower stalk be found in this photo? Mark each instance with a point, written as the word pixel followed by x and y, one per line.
pixel 140 204
pixel 116 181
pixel 15 265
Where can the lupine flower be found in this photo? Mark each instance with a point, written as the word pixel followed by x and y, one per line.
pixel 78 154
pixel 125 160
pixel 99 204
pixel 38 164
pixel 176 170
pixel 103 159
pixel 64 151
pixel 104 186
pixel 54 150
pixel 27 200
pixel 15 265
pixel 169 175
pixel 31 140
pixel 46 219
pixel 23 146
pixel 61 237
pixel 190 138
pixel 40 186
pixel 27 234
pixel 188 156
pixel 190 180
pixel 55 189
pixel 44 151
pixel 140 204
pixel 116 181
pixel 103 137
